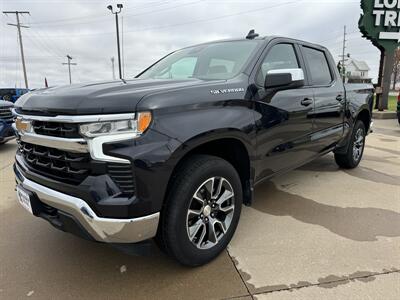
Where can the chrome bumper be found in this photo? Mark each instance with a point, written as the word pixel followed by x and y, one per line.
pixel 101 229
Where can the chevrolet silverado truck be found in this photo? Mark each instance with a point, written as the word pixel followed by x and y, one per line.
pixel 6 120
pixel 172 154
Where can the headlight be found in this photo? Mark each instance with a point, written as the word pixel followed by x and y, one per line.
pixel 138 126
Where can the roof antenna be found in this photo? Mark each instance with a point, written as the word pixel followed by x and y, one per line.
pixel 252 35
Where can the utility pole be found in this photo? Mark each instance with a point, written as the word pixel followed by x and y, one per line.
pixel 122 46
pixel 119 6
pixel 113 69
pixel 18 25
pixel 343 56
pixel 69 63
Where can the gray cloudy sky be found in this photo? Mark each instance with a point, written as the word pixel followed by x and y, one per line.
pixel 85 29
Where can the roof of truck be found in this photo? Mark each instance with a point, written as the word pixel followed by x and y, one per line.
pixel 264 39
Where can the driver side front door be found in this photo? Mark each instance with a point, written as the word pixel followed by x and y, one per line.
pixel 283 118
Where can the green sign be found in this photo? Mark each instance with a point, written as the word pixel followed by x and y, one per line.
pixel 380 23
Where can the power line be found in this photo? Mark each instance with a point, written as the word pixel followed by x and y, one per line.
pixel 189 22
pixel 42 45
pixel 48 44
pixel 101 19
pixel 19 25
pixel 92 17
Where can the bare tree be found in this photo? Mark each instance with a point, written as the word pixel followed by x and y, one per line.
pixel 396 67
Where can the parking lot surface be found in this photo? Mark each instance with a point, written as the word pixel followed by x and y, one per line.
pixel 315 233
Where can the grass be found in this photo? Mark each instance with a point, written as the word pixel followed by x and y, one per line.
pixel 392 105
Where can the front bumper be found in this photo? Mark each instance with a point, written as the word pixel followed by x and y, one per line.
pixel 109 230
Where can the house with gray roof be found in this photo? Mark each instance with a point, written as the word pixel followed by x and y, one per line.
pixel 357 71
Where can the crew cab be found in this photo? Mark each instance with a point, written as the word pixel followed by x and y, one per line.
pixel 172 154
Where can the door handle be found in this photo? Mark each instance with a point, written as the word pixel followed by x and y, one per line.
pixel 339 98
pixel 306 102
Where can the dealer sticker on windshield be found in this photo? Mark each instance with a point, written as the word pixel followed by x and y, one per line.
pixel 24 199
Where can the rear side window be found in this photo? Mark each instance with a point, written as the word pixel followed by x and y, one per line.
pixel 319 67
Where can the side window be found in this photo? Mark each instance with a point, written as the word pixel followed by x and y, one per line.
pixel 319 67
pixel 281 56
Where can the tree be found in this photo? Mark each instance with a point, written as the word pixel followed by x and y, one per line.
pixel 396 67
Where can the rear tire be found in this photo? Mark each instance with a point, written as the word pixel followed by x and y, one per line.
pixel 355 149
pixel 197 223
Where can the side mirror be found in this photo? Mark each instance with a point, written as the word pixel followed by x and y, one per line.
pixel 284 79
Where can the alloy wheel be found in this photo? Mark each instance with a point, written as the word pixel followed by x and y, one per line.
pixel 358 144
pixel 210 212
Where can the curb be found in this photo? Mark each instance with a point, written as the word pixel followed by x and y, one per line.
pixel 384 115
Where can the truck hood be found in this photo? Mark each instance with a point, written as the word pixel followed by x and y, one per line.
pixel 96 98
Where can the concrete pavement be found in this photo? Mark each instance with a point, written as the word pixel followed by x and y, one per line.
pixel 316 233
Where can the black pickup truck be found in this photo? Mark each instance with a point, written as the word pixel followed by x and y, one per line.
pixel 174 153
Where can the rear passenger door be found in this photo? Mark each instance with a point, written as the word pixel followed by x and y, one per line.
pixel 329 98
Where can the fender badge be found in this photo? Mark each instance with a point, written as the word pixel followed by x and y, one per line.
pixel 225 91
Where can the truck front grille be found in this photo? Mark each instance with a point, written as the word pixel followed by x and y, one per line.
pixel 5 113
pixel 73 163
pixel 56 164
pixel 57 129
pixel 73 168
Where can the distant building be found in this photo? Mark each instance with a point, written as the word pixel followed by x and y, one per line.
pixel 357 71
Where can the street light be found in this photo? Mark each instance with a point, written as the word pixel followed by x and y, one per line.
pixel 119 6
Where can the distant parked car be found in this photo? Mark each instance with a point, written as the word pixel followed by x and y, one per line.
pixel 6 120
pixel 11 94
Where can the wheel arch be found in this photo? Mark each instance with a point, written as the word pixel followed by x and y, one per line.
pixel 229 145
pixel 364 115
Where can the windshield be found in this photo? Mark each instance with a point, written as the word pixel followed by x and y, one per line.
pixel 223 60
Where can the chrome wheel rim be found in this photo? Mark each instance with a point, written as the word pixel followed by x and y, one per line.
pixel 358 144
pixel 210 212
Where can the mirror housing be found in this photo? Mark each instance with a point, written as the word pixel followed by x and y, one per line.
pixel 284 79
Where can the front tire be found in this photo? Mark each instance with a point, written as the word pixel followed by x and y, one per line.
pixel 201 211
pixel 355 150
